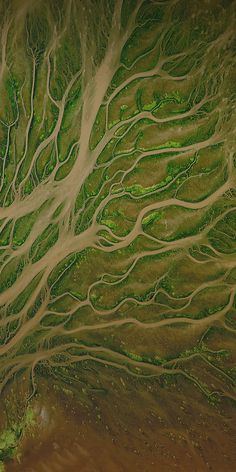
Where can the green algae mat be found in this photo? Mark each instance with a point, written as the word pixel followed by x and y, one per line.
pixel 117 208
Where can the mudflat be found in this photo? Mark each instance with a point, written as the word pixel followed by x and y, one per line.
pixel 117 235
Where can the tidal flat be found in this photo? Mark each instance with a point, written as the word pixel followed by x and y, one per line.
pixel 117 235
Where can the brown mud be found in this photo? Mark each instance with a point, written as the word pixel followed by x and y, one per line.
pixel 128 425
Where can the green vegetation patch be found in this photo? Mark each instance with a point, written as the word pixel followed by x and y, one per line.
pixel 20 301
pixel 44 242
pixel 10 439
pixel 11 272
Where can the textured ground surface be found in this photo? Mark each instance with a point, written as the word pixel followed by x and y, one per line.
pixel 118 231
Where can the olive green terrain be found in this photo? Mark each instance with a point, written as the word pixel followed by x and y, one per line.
pixel 118 193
